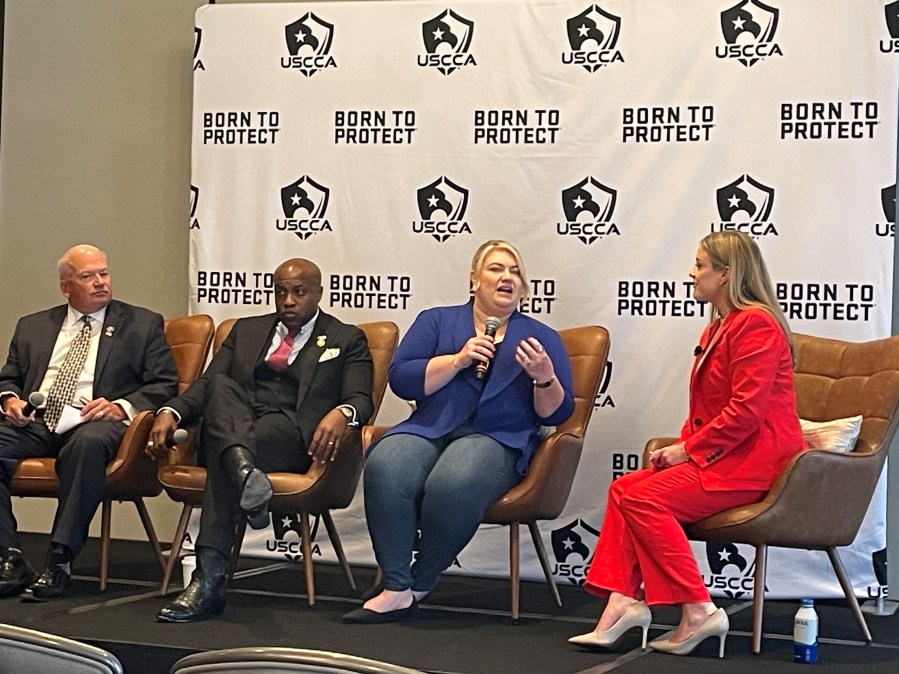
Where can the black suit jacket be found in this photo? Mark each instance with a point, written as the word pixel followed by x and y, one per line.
pixel 344 379
pixel 133 357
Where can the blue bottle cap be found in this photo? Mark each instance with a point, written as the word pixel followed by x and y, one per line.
pixel 808 602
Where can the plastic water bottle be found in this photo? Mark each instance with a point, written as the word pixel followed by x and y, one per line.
pixel 805 633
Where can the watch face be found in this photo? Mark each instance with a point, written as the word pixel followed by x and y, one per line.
pixel 346 413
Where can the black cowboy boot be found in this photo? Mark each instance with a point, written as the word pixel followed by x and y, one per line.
pixel 205 596
pixel 255 487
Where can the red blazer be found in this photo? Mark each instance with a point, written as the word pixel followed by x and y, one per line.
pixel 743 427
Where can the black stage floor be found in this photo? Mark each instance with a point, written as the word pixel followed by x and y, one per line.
pixel 463 626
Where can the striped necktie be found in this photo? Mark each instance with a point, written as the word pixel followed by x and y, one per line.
pixel 63 388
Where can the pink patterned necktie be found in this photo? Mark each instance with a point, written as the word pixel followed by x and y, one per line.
pixel 278 360
pixel 63 388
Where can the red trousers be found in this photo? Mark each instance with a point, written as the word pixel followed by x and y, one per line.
pixel 642 540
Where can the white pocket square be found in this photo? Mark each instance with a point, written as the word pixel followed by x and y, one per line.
pixel 329 354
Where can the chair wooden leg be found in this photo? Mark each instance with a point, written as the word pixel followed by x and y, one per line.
pixel 306 545
pixel 758 604
pixel 105 535
pixel 239 533
pixel 175 551
pixel 338 548
pixel 544 561
pixel 514 547
pixel 849 592
pixel 150 531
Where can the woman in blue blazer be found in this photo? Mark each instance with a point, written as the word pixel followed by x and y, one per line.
pixel 480 401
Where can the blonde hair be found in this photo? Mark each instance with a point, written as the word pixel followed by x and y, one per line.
pixel 480 258
pixel 749 284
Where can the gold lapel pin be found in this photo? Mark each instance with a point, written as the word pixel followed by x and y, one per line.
pixel 321 339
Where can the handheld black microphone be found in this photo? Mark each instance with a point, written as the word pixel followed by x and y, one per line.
pixel 697 351
pixel 176 438
pixel 491 325
pixel 35 401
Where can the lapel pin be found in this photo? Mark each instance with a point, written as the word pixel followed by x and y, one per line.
pixel 320 340
pixel 109 330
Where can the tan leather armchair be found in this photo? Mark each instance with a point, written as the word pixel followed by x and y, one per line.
pixel 543 492
pixel 131 475
pixel 820 499
pixel 324 487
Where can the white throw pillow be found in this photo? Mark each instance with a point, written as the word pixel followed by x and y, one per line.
pixel 838 435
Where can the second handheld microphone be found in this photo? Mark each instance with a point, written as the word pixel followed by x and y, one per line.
pixel 491 325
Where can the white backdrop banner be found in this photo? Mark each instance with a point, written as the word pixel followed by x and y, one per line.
pixel 387 140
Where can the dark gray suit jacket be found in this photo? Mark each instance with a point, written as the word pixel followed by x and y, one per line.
pixel 133 357
pixel 345 379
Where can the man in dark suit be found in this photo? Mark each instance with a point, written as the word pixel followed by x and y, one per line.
pixel 103 360
pixel 280 393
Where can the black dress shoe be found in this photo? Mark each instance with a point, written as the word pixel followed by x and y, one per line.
pixel 15 575
pixel 204 597
pixel 254 499
pixel 197 602
pixel 364 616
pixel 51 584
pixel 255 487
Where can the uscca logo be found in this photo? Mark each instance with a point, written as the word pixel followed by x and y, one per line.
pixel 309 43
pixel 749 28
pixel 304 203
pixel 603 398
pixel 592 36
pixel 888 201
pixel 745 206
pixel 198 36
pixel 588 207
pixel 720 556
pixel 292 549
pixel 442 206
pixel 892 16
pixel 573 547
pixel 879 564
pixel 194 201
pixel 447 38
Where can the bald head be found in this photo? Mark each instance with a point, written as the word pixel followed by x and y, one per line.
pixel 298 290
pixel 79 255
pixel 298 267
pixel 84 278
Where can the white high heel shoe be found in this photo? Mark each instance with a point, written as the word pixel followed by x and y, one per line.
pixel 716 625
pixel 637 615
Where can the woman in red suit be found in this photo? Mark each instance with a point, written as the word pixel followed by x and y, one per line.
pixel 741 431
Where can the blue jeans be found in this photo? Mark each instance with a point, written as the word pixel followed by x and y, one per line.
pixel 442 488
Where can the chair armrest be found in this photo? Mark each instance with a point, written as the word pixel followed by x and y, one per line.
pixel 654 444
pixel 819 500
pixel 543 492
pixel 132 473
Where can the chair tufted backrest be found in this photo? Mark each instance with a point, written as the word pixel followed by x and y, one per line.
pixel 837 379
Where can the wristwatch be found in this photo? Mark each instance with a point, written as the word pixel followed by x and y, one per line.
pixel 349 413
pixel 545 384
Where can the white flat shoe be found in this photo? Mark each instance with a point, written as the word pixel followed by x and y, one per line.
pixel 637 615
pixel 716 625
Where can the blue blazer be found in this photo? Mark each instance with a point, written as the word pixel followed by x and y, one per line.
pixel 503 407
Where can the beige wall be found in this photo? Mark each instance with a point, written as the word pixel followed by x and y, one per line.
pixel 95 146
